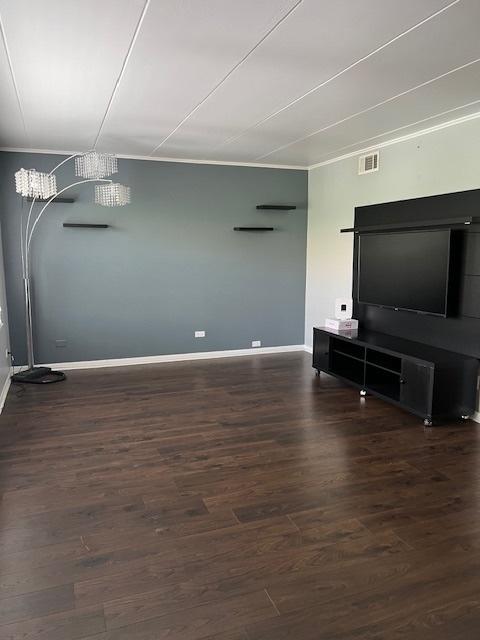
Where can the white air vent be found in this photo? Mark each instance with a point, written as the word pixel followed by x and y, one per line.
pixel 368 163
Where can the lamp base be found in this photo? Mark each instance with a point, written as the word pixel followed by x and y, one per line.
pixel 38 375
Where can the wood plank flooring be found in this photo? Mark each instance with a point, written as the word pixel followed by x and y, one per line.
pixel 234 499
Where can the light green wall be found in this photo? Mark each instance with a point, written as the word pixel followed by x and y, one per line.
pixel 439 162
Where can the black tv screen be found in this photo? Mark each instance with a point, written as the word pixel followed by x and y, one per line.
pixel 405 270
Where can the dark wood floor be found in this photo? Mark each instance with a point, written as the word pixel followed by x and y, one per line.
pixel 239 499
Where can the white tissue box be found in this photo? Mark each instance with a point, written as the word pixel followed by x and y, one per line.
pixel 341 325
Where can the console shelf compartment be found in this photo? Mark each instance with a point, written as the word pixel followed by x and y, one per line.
pixel 383 382
pixel 384 360
pixel 349 349
pixel 347 355
pixel 347 367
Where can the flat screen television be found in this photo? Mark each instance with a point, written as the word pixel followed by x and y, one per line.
pixel 405 270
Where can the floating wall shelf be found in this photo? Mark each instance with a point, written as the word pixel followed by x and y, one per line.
pixel 81 225
pixel 55 200
pixel 253 228
pixel 276 207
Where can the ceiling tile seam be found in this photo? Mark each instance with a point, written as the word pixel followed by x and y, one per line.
pixel 14 80
pixel 408 136
pixel 225 78
pixel 371 108
pixel 352 154
pixel 122 70
pixel 226 163
pixel 335 76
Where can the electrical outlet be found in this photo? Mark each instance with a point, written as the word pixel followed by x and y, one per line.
pixel 60 343
pixel 256 343
pixel 199 334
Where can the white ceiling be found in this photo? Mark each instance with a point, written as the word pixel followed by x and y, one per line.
pixel 284 82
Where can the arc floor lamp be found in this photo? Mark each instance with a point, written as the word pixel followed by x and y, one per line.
pixel 41 188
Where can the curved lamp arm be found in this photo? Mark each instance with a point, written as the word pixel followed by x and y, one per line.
pixel 28 236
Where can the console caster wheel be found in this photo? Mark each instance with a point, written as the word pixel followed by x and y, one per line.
pixel 363 393
pixel 317 373
pixel 427 422
pixel 465 418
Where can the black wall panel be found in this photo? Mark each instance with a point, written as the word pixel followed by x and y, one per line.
pixel 461 330
pixel 471 257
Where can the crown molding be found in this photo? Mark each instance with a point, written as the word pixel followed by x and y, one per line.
pixel 162 159
pixel 392 141
pixel 345 156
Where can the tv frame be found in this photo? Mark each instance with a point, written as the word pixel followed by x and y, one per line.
pixel 417 311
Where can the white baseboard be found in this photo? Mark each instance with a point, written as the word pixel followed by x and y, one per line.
pixel 174 357
pixel 4 392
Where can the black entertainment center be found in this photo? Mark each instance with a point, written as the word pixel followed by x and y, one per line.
pixel 416 292
pixel 432 383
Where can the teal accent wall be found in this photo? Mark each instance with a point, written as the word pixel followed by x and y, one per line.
pixel 169 265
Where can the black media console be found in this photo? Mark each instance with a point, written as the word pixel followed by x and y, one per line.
pixel 430 382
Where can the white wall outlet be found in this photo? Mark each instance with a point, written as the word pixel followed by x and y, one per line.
pixel 199 334
pixel 256 343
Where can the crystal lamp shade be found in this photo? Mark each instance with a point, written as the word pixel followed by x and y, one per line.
pixel 112 194
pixel 94 165
pixel 35 184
